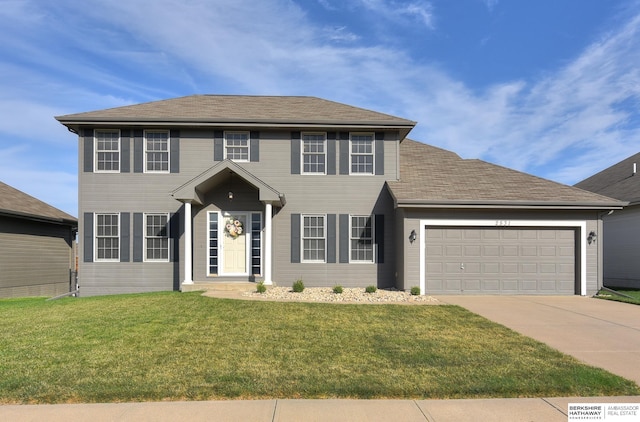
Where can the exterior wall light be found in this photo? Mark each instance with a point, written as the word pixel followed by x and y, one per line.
pixel 412 236
pixel 592 237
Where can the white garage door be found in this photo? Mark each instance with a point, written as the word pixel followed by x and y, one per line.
pixel 472 260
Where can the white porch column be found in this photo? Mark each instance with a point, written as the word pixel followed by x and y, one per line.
pixel 188 245
pixel 267 244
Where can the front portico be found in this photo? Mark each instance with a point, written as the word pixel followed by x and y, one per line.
pixel 227 225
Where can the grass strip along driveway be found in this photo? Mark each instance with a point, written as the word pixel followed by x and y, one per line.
pixel 182 346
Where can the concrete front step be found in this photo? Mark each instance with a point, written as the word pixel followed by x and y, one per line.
pixel 234 286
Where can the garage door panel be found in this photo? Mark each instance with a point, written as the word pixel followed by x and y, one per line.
pixel 500 261
pixel 472 250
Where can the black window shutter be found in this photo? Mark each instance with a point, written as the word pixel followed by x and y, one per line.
pixel 331 238
pixel 125 151
pixel 125 236
pixel 88 150
pixel 138 151
pixel 379 237
pixel 344 238
pixel 87 237
pixel 174 151
pixel 295 238
pixel 379 157
pixel 344 153
pixel 254 148
pixel 138 227
pixel 331 153
pixel 174 237
pixel 295 152
pixel 218 145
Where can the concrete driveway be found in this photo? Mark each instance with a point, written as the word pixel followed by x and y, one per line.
pixel 598 332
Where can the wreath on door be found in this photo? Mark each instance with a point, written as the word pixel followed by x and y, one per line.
pixel 234 227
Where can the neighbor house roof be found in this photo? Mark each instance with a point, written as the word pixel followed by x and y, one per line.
pixel 618 181
pixel 432 177
pixel 17 203
pixel 232 110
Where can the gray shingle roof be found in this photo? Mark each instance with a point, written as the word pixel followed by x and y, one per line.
pixel 433 176
pixel 240 109
pixel 18 203
pixel 617 181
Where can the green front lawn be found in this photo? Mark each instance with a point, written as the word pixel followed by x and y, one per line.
pixel 182 346
pixel 626 295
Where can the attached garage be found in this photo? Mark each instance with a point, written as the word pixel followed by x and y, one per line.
pixel 466 226
pixel 495 260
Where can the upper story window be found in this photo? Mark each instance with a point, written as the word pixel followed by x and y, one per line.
pixel 156 235
pixel 236 146
pixel 362 153
pixel 107 143
pixel 156 151
pixel 361 239
pixel 314 156
pixel 314 239
pixel 107 239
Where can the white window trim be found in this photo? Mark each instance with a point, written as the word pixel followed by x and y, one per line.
pixel 313 261
pixel 95 237
pixel 373 240
pixel 224 146
pixel 95 151
pixel 302 154
pixel 211 215
pixel 144 237
pixel 581 225
pixel 262 235
pixel 373 153
pixel 168 150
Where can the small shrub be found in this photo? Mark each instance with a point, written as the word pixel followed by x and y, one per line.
pixel 337 289
pixel 261 288
pixel 298 286
pixel 371 289
pixel 415 291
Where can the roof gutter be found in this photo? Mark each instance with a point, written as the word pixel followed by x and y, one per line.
pixel 40 218
pixel 415 203
pixel 404 129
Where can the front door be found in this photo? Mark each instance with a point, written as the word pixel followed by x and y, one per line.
pixel 235 243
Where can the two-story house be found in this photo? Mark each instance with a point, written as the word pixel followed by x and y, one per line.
pixel 214 188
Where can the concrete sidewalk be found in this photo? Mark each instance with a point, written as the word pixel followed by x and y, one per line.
pixel 497 410
pixel 598 332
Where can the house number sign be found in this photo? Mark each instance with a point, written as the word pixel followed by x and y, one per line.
pixel 503 223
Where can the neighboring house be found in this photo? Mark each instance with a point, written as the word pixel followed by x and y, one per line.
pixel 621 228
pixel 36 246
pixel 321 191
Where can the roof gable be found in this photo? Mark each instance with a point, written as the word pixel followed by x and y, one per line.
pixel 617 181
pixel 193 189
pixel 18 203
pixel 433 176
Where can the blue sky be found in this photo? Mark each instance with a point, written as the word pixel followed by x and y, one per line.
pixel 549 87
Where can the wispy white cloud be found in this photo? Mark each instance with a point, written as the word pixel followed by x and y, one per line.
pixel 419 10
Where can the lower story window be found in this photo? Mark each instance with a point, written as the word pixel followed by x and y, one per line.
pixel 107 237
pixel 313 238
pixel 361 239
pixel 156 237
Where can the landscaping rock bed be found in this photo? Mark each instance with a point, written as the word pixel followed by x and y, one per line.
pixel 349 295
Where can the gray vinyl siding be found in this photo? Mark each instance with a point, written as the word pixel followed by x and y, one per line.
pixel 409 271
pixel 336 194
pixel 620 238
pixel 35 258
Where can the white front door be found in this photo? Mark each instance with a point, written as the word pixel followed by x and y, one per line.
pixel 235 243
